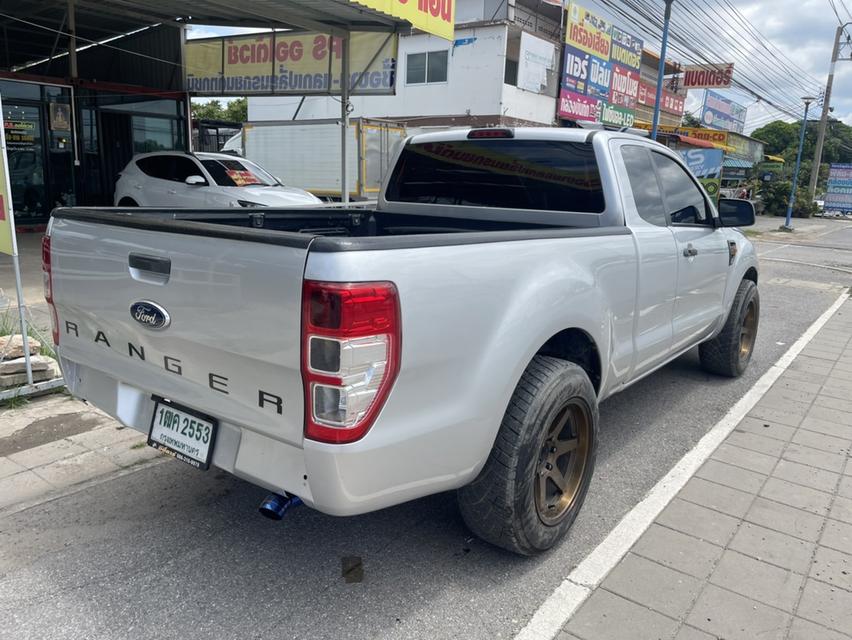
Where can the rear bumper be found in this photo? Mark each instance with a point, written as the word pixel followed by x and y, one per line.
pixel 336 479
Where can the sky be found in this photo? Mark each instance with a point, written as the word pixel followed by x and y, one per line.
pixel 803 29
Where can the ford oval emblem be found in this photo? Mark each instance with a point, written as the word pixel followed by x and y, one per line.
pixel 150 314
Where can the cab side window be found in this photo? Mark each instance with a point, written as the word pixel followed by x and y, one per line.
pixel 183 168
pixel 685 203
pixel 643 184
pixel 156 166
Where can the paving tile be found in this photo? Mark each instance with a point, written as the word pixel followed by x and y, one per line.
pixel 821 441
pixel 606 616
pixel 841 509
pixel 564 635
pixel 803 630
pixel 826 605
pixel 833 403
pixel 653 585
pixel 751 460
pixel 789 391
pixel 766 428
pixel 691 633
pixel 22 487
pixel 804 376
pixel 795 495
pixel 71 471
pixel 731 476
pixel 814 457
pixel 773 547
pixel 837 388
pixel 701 522
pixel 834 567
pixel 837 535
pixel 46 453
pixel 754 442
pixel 811 365
pixel 780 517
pixel 9 467
pixel 822 354
pixel 678 551
pixel 827 427
pixel 845 487
pixel 819 479
pixel 734 617
pixel 786 412
pixel 757 580
pixel 716 496
pixel 99 438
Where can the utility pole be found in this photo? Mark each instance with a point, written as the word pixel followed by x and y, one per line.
pixel 661 72
pixel 788 225
pixel 823 122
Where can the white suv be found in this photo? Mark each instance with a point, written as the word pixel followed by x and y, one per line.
pixel 202 180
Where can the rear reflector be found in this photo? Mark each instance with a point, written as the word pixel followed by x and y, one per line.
pixel 490 133
pixel 47 278
pixel 350 356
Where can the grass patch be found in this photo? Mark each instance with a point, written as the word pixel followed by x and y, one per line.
pixel 138 445
pixel 10 325
pixel 752 233
pixel 15 402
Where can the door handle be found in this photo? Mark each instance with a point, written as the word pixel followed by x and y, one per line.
pixel 690 251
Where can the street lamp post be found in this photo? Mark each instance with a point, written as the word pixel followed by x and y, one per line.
pixel 661 72
pixel 788 225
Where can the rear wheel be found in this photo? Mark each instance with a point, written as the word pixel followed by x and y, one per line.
pixel 729 353
pixel 127 202
pixel 536 477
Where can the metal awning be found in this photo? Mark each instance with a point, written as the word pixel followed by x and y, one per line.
pixel 33 30
pixel 736 163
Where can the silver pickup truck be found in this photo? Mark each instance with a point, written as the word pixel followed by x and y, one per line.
pixel 458 336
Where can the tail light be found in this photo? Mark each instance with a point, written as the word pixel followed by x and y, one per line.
pixel 350 356
pixel 47 275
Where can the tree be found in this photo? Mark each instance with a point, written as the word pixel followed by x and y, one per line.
pixel 690 120
pixel 235 110
pixel 778 137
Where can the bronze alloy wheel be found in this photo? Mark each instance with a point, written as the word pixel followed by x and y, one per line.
pixel 562 462
pixel 748 332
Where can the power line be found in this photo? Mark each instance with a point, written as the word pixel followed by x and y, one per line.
pixel 834 8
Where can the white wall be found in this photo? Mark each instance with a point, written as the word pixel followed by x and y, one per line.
pixel 526 105
pixel 474 84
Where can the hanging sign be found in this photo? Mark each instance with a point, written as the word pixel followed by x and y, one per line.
pixel 284 63
pixel 437 17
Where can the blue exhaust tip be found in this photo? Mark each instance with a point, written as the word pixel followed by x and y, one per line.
pixel 274 506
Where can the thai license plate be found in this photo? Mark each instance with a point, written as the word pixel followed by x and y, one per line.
pixel 183 433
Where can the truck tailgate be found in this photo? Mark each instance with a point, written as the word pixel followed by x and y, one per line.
pixel 232 347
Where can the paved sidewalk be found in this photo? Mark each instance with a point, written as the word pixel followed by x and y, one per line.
pixel 56 442
pixel 758 544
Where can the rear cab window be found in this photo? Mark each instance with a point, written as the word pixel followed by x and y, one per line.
pixel 544 175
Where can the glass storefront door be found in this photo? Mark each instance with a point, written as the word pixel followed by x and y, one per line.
pixel 25 147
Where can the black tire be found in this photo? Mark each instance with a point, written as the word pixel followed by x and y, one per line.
pixel 729 353
pixel 501 505
pixel 127 202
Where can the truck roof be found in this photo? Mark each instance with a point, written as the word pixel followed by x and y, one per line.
pixel 521 133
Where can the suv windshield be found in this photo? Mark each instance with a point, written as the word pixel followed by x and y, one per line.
pixel 237 173
pixel 519 174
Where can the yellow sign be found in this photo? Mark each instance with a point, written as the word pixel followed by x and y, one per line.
pixel 7 219
pixel 437 17
pixel 280 63
pixel 588 32
pixel 710 135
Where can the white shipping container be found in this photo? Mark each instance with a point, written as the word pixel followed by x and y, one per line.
pixel 306 153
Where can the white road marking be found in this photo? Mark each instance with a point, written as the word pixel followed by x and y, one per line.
pixel 783 246
pixel 554 612
pixel 807 264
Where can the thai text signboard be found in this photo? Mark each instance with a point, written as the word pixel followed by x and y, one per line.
pixel 600 80
pixel 838 196
pixel 720 112
pixel 284 63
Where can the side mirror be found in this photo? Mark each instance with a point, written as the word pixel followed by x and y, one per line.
pixel 195 181
pixel 735 213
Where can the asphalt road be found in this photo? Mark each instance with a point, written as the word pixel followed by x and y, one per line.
pixel 169 552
